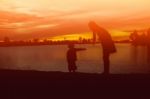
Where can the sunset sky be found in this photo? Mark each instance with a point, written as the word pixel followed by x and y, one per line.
pixel 27 19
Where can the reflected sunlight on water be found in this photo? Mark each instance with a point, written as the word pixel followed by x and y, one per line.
pixel 128 59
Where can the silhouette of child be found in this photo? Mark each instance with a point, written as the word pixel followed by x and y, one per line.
pixel 72 57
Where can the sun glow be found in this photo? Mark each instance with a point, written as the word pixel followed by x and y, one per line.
pixel 71 37
pixel 116 35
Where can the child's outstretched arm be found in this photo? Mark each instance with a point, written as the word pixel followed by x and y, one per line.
pixel 80 49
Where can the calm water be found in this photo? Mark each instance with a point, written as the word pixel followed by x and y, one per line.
pixel 128 59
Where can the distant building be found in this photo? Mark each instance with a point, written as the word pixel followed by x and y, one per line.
pixel 36 40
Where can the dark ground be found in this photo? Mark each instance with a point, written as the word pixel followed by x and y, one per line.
pixel 49 85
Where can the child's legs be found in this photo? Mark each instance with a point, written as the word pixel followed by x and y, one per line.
pixel 72 66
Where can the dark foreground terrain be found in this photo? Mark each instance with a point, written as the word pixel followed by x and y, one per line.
pixel 50 85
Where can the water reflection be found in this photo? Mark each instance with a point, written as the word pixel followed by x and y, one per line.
pixel 134 55
pixel 139 55
pixel 5 60
pixel 128 59
pixel 148 55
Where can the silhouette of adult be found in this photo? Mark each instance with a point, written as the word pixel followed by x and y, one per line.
pixel 72 57
pixel 106 42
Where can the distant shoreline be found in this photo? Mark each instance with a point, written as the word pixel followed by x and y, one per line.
pixel 41 43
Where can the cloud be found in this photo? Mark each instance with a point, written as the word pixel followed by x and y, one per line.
pixel 35 18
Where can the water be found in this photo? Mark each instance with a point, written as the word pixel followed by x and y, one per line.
pixel 128 59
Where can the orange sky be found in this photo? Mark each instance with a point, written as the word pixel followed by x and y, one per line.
pixel 26 19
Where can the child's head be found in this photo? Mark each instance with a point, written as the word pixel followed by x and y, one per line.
pixel 71 45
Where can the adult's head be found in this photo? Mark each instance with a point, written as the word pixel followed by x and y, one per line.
pixel 93 26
